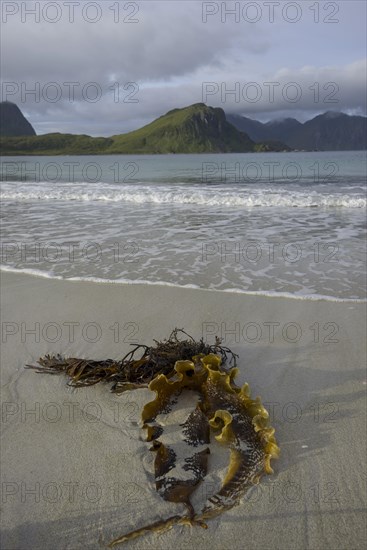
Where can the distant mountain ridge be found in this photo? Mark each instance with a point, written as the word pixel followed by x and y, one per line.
pixel 194 129
pixel 330 131
pixel 13 122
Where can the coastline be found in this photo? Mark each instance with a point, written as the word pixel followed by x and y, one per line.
pixel 305 358
pixel 166 284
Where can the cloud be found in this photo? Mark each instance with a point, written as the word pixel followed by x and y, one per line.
pixel 164 59
pixel 310 89
pixel 168 40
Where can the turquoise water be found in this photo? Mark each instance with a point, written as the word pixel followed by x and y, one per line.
pixel 271 223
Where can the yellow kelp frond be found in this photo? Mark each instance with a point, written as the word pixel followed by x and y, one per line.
pixel 223 420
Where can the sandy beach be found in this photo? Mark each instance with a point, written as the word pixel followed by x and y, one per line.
pixel 75 466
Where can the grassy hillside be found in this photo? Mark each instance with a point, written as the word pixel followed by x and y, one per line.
pixel 194 129
pixel 54 144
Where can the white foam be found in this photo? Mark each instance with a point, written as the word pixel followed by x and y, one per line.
pixel 122 281
pixel 161 195
pixel 33 272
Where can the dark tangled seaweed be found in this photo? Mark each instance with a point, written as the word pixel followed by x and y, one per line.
pixel 224 409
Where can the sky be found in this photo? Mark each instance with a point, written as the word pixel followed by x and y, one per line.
pixel 109 67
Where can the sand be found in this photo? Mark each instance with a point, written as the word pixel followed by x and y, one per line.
pixel 76 471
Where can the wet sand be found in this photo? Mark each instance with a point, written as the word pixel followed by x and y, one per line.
pixel 76 471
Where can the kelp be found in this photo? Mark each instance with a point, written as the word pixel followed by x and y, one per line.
pixel 225 410
pixel 131 373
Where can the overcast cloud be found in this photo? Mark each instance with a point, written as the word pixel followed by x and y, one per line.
pixel 162 55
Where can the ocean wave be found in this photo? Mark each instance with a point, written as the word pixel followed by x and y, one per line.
pixel 267 197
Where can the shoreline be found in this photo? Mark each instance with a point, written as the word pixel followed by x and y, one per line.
pixel 127 282
pixel 76 469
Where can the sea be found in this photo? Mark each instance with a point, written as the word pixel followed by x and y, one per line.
pixel 291 224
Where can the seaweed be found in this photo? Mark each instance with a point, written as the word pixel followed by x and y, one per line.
pixel 131 373
pixel 237 421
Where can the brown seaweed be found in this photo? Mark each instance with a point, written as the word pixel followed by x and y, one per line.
pixel 237 421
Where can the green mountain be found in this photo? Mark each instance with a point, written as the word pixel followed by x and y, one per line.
pixel 13 122
pixel 193 129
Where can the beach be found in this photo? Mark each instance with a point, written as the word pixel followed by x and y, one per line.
pixel 183 276
pixel 76 471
